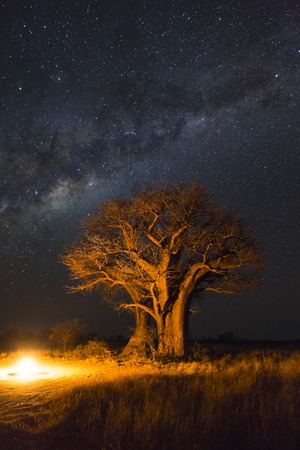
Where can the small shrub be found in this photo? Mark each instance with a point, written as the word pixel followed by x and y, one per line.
pixel 199 352
pixel 95 349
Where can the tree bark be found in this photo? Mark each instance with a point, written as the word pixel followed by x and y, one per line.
pixel 171 332
pixel 139 343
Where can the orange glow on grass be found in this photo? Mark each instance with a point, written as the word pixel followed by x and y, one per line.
pixel 28 368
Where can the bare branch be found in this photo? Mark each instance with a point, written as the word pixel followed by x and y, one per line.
pixel 137 305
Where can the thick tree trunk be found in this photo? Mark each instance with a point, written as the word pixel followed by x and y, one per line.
pixel 165 336
pixel 139 343
pixel 171 332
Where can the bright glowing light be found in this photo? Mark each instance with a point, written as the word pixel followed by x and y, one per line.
pixel 30 369
pixel 27 367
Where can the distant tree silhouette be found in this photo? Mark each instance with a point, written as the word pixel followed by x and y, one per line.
pixel 163 246
pixel 227 337
pixel 66 333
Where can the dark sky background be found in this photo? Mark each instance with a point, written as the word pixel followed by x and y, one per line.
pixel 101 97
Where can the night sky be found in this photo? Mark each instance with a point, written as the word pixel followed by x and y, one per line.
pixel 99 98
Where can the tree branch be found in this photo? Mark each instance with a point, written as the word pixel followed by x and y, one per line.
pixel 137 305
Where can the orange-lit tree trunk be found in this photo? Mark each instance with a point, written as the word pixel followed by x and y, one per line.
pixel 171 332
pixel 173 327
pixel 139 343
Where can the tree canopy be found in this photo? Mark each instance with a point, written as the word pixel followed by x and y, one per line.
pixel 162 246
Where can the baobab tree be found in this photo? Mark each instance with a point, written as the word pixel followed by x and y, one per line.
pixel 162 246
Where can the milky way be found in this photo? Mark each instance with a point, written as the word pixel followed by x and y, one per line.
pixel 99 98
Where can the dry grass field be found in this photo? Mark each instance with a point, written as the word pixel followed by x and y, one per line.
pixel 246 402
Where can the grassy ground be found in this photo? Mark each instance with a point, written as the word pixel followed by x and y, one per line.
pixel 249 401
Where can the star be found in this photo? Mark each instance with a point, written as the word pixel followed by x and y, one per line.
pixel 97 102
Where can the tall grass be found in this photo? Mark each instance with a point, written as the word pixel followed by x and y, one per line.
pixel 243 403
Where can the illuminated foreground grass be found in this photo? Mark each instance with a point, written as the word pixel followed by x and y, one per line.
pixel 251 402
